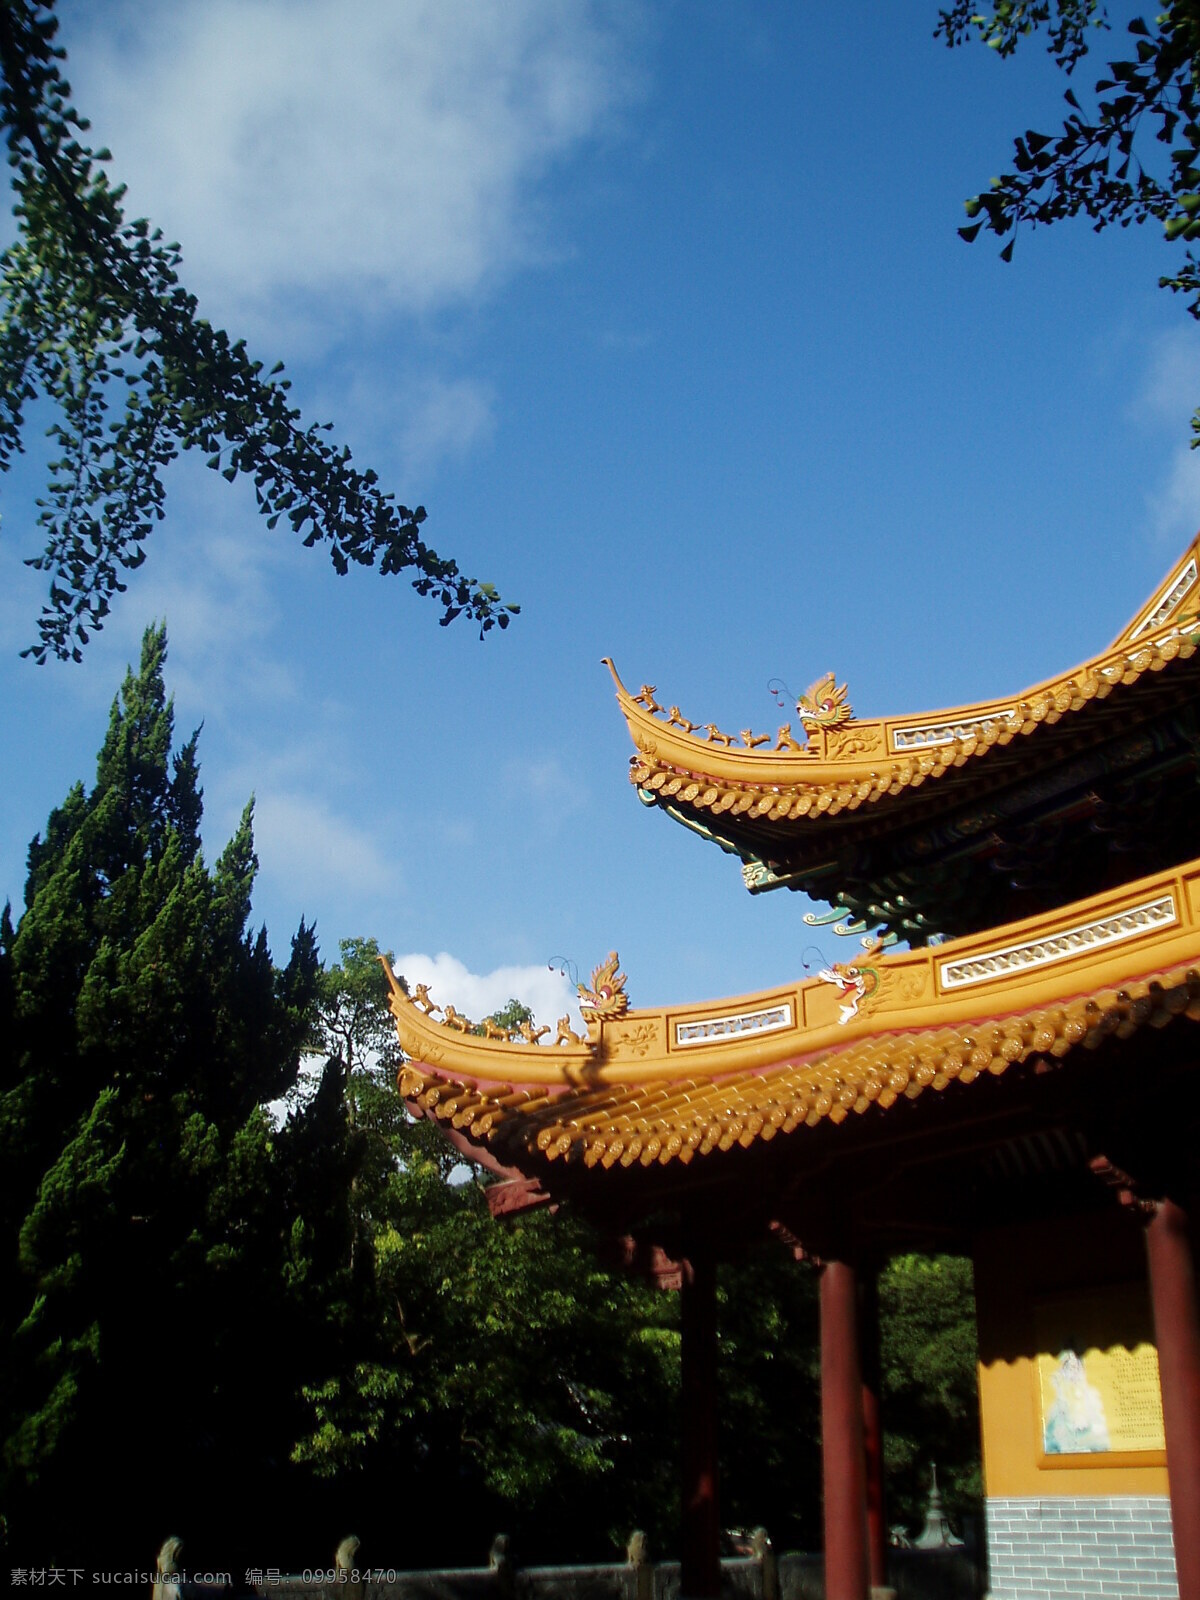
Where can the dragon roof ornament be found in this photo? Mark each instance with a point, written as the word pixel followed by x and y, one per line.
pixel 606 997
pixel 825 704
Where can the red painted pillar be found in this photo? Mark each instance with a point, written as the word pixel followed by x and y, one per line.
pixel 1177 1334
pixel 846 1574
pixel 873 1430
pixel 700 1577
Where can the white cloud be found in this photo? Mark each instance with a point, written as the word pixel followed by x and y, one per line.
pixel 218 599
pixel 215 587
pixel 444 419
pixel 1170 391
pixel 545 990
pixel 211 578
pixel 319 854
pixel 1175 507
pixel 544 783
pixel 1169 394
pixel 384 152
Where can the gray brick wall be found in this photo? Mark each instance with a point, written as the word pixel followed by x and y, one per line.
pixel 1115 1547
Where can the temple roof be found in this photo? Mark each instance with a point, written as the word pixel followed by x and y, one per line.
pixel 851 1044
pixel 948 821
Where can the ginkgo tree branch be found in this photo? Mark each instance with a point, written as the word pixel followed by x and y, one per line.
pixel 1134 158
pixel 94 319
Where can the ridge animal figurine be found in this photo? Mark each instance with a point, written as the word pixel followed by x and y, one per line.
pixel 420 997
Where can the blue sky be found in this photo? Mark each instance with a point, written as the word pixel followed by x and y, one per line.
pixel 661 310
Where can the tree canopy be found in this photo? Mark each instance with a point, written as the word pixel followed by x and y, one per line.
pixel 496 1367
pixel 96 321
pixel 928 1354
pixel 147 1251
pixel 272 1331
pixel 1133 156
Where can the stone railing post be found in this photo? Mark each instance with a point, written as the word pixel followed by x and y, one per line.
pixel 637 1555
pixel 768 1563
pixel 166 1567
pixel 346 1560
pixel 501 1563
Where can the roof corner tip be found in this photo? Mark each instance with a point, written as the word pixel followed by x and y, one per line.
pixel 385 961
pixel 1167 602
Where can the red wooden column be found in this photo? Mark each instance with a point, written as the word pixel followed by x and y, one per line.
pixel 846 1572
pixel 700 1577
pixel 873 1428
pixel 1177 1334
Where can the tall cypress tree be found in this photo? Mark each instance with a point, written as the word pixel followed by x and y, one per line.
pixel 145 1230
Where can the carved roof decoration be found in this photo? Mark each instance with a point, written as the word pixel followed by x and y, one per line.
pixel 680 1082
pixel 840 815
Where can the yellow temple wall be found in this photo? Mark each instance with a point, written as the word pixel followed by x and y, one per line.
pixel 1039 1286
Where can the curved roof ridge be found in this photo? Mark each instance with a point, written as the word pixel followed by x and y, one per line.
pixel 846 763
pixel 627 1125
pixel 1046 961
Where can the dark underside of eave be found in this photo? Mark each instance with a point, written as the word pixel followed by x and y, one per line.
pixel 1044 1139
pixel 1103 798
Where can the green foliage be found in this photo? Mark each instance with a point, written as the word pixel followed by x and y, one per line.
pixel 160 1233
pixel 142 1221
pixel 770 1399
pixel 770 1380
pixel 930 1395
pixel 510 1015
pixel 319 1319
pixel 96 321
pixel 1135 158
pixel 493 1367
pixel 1068 24
pixel 352 1022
